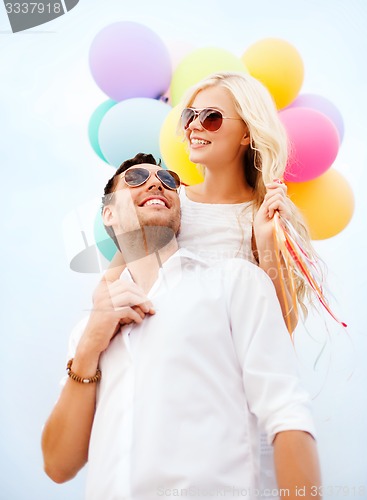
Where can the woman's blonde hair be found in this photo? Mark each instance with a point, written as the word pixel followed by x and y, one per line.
pixel 266 158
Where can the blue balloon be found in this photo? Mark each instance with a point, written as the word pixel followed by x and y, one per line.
pixel 130 127
pixel 94 123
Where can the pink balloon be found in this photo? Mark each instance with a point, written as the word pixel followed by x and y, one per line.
pixel 127 60
pixel 320 103
pixel 314 142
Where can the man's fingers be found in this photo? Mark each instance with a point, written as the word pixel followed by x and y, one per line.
pixel 130 299
pixel 123 293
pixel 128 320
pixel 129 315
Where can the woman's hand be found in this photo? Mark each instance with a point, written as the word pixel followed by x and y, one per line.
pixel 275 200
pixel 266 251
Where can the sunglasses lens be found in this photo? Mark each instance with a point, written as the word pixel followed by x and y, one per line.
pixel 136 176
pixel 170 179
pixel 187 117
pixel 211 119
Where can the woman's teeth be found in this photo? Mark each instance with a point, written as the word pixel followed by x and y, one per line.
pixel 199 141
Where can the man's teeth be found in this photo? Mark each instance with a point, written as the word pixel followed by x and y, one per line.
pixel 154 202
pixel 199 141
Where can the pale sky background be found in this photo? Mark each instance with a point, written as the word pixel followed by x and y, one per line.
pixel 47 97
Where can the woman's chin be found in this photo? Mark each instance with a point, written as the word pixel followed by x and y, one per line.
pixel 197 156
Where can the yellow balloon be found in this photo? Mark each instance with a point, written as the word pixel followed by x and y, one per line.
pixel 327 203
pixel 199 64
pixel 278 65
pixel 174 150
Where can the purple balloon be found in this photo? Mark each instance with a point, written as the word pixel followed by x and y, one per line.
pixel 322 104
pixel 129 60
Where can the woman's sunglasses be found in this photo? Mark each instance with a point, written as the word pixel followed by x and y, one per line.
pixel 137 176
pixel 211 119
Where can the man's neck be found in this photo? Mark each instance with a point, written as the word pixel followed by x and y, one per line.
pixel 145 252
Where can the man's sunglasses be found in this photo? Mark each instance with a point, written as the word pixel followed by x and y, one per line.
pixel 137 176
pixel 211 119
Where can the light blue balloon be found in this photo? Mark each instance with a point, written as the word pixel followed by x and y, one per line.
pixel 103 241
pixel 130 127
pixel 94 123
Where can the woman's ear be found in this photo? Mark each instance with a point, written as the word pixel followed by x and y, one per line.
pixel 245 139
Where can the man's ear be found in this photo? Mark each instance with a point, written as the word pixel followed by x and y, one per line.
pixel 108 215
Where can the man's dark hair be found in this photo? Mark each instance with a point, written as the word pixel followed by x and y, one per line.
pixel 111 184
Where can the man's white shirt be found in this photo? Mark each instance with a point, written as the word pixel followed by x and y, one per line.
pixel 184 394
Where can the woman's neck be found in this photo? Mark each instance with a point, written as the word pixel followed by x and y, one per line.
pixel 221 186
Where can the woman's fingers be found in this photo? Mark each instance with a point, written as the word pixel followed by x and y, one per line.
pixel 275 200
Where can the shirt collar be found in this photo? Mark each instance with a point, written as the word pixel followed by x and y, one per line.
pixel 170 270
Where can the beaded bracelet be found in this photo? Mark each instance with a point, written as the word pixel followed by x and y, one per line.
pixel 82 380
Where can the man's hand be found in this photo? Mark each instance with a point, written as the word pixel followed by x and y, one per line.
pixel 114 304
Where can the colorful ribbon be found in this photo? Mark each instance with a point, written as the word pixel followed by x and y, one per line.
pixel 290 246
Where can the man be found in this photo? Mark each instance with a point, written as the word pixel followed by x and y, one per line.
pixel 177 373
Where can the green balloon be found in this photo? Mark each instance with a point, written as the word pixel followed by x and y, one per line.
pixel 198 65
pixel 103 241
pixel 94 123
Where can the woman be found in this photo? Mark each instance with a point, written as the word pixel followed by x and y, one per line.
pixel 233 133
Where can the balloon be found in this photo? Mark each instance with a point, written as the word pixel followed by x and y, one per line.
pixel 94 123
pixel 132 127
pixel 128 60
pixel 314 142
pixel 199 64
pixel 78 231
pixel 174 150
pixel 320 103
pixel 178 50
pixel 327 203
pixel 278 65
pixel 104 242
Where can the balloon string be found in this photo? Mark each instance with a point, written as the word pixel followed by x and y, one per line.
pixel 278 253
pixel 311 280
pixel 294 254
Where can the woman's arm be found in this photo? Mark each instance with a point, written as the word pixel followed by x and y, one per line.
pixel 117 265
pixel 264 246
pixel 113 273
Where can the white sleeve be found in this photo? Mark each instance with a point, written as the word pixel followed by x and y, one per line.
pixel 266 353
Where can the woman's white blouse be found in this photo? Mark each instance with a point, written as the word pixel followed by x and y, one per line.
pixel 216 231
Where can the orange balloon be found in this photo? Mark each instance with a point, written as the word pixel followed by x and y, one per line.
pixel 326 203
pixel 279 66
